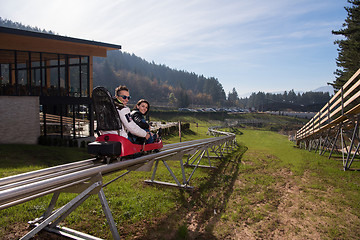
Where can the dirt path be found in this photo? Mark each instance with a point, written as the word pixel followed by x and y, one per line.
pixel 268 204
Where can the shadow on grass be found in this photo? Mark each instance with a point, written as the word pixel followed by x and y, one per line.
pixel 22 155
pixel 200 209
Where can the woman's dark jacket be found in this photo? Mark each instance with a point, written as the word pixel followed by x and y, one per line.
pixel 139 119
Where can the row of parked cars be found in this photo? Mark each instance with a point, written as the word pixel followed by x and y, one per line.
pixel 230 110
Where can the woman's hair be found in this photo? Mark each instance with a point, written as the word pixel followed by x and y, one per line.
pixel 142 101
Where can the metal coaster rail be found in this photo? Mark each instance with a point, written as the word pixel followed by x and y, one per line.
pixel 335 127
pixel 85 178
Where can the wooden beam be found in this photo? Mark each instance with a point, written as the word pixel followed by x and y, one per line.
pixel 27 43
pixel 91 75
pixel 12 69
pixel 48 74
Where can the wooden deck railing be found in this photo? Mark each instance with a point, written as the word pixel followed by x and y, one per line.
pixel 344 105
pixel 51 118
pixel 335 128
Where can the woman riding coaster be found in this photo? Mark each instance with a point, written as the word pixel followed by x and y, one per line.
pixel 141 108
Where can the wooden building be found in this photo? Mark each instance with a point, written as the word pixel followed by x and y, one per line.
pixel 54 70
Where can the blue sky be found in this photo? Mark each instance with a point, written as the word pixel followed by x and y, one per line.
pixel 256 45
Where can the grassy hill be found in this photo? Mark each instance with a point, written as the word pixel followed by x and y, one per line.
pixel 266 189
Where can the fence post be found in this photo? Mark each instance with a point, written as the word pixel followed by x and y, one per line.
pixel 342 101
pixel 328 111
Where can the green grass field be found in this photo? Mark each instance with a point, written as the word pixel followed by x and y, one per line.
pixel 279 181
pixel 266 189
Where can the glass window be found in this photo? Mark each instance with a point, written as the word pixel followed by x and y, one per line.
pixel 63 85
pixel 51 59
pixel 36 81
pixel 35 60
pixel 43 74
pixel 22 77
pixel 35 73
pixel 22 83
pixel 84 81
pixel 54 82
pixel 74 81
pixel 5 86
pixel 74 60
pixel 84 59
pixel 22 59
pixel 5 74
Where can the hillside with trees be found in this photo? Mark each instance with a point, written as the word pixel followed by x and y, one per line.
pixel 158 83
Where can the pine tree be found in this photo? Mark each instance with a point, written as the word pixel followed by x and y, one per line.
pixel 233 97
pixel 348 60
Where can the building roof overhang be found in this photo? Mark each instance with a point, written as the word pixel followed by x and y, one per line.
pixel 22 40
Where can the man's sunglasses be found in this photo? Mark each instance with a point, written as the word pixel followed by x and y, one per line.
pixel 125 97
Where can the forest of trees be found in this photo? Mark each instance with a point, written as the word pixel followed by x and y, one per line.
pixel 157 82
pixel 178 88
pixel 348 59
pixel 10 24
pixel 308 101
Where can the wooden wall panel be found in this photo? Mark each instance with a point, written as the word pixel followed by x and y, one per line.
pixel 26 43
